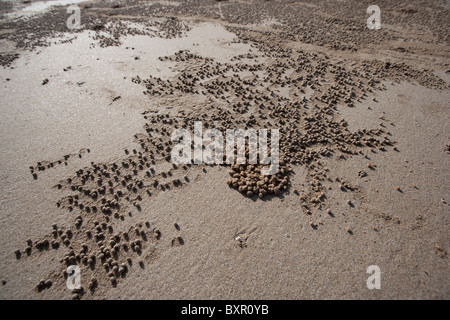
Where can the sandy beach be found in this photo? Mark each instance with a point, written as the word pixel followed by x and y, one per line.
pixel 87 177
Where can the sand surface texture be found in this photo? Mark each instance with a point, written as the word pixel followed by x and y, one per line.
pixel 86 177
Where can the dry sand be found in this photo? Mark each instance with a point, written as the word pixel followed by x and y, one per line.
pixel 370 171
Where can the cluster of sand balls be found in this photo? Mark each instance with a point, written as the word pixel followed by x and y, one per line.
pixel 248 179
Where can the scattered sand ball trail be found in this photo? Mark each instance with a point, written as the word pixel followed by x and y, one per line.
pixel 103 255
pixel 43 165
pixel 317 135
pixel 35 32
pixel 6 59
pixel 109 33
